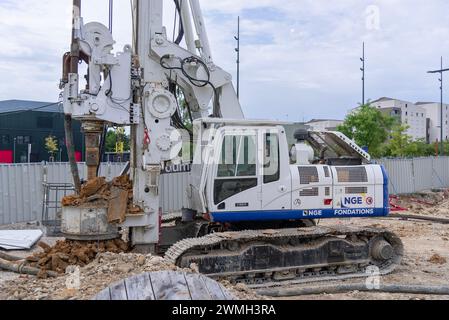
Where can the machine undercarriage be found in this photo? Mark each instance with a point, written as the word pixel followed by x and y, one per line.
pixel 276 256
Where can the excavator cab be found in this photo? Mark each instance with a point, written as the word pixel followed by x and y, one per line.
pixel 249 173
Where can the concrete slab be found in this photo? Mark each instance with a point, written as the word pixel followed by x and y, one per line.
pixel 19 239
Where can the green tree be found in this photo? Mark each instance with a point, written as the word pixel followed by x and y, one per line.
pixel 51 144
pixel 423 149
pixel 112 137
pixel 401 144
pixel 369 127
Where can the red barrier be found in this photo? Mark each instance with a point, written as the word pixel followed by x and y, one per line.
pixel 6 156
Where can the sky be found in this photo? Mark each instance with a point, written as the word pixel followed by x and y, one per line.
pixel 300 59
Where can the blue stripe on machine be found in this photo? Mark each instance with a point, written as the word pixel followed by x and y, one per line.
pixel 297 214
pixel 386 193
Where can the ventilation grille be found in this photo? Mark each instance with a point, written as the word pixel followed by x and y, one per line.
pixel 352 174
pixel 308 175
pixel 356 190
pixel 327 173
pixel 313 192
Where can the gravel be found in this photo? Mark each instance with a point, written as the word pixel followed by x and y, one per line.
pixel 105 270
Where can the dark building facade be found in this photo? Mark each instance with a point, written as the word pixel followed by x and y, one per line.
pixel 24 126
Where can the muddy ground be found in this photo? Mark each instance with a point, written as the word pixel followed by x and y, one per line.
pixel 426 261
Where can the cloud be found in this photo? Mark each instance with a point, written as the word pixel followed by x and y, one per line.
pixel 299 58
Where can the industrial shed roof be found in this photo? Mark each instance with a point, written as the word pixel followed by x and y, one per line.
pixel 12 106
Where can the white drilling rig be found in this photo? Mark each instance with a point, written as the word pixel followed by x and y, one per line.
pixel 250 194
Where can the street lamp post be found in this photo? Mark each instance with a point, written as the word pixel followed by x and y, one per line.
pixel 111 14
pixel 14 157
pixel 237 38
pixel 362 59
pixel 441 72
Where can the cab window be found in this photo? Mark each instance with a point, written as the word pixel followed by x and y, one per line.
pixel 238 157
pixel 271 159
pixel 237 166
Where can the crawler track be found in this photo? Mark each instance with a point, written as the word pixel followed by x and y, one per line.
pixel 264 258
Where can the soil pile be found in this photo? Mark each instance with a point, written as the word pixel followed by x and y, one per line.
pixel 65 253
pixel 99 192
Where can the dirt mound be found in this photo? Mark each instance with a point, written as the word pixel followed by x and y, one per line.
pixel 65 253
pixel 437 259
pixel 100 192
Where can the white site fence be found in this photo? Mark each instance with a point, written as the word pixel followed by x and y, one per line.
pixel 22 185
pixel 22 188
pixel 417 174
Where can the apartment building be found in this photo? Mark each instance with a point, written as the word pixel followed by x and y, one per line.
pixel 408 113
pixel 324 124
pixel 433 111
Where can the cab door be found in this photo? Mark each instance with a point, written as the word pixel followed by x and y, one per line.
pixel 276 177
pixel 236 184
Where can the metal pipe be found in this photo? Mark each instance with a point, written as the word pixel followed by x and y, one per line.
pixel 111 14
pixel 102 146
pixel 8 257
pixel 342 288
pixel 24 269
pixel 93 131
pixel 441 110
pixel 74 60
pixel 363 73
pixel 187 25
pixel 200 25
pixel 418 217
pixel 237 38
pixel 71 152
pixel 75 48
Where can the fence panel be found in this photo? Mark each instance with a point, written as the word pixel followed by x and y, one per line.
pixel 422 174
pixel 21 187
pixel 440 172
pixel 21 191
pixel 400 172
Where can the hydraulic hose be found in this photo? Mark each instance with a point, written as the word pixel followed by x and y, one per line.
pixel 6 256
pixel 23 269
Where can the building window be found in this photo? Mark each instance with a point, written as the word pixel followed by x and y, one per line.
pixel 23 139
pixel 4 139
pixel 406 113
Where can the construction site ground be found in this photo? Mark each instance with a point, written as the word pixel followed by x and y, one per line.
pixel 426 261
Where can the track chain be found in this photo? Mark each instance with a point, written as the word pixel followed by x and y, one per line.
pixel 175 252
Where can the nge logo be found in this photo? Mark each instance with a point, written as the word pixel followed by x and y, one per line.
pixel 352 200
